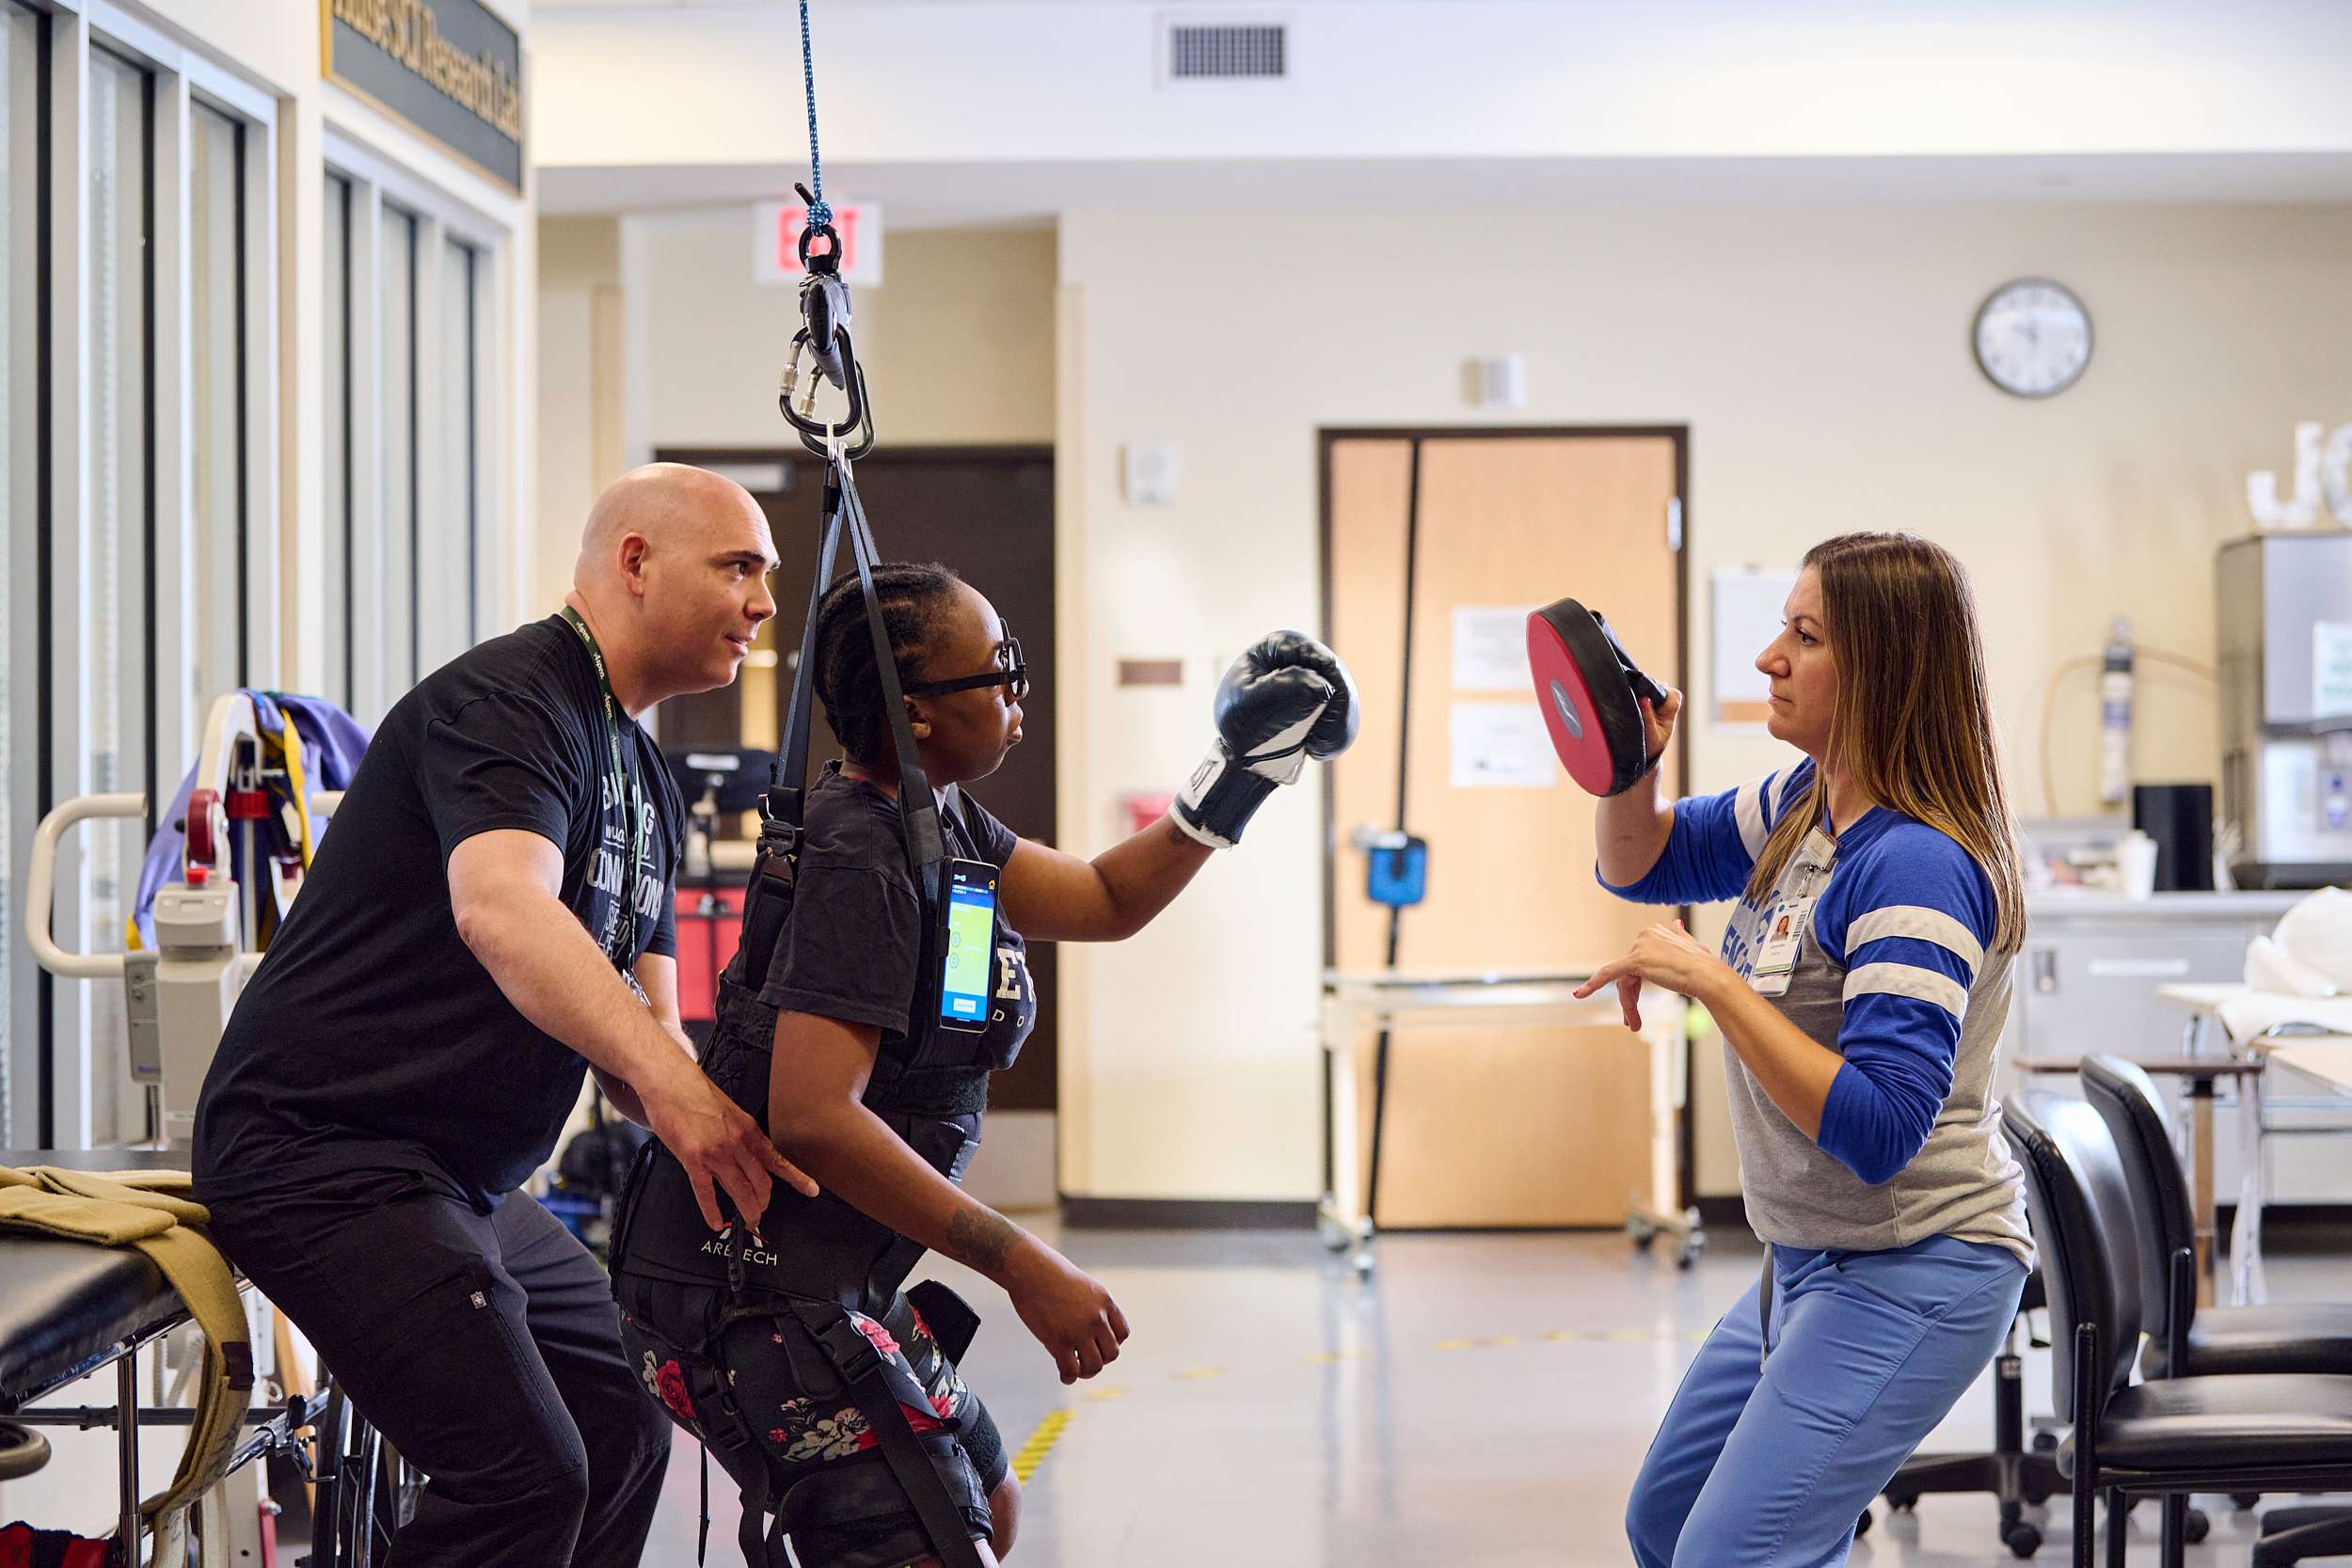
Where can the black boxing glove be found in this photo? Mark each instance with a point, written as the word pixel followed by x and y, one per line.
pixel 1287 698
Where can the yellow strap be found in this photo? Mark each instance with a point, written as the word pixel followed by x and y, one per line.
pixel 197 1269
pixel 299 783
pixel 166 1192
pixel 79 1219
pixel 142 1209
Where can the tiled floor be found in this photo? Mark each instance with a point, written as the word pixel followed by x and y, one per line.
pixel 1484 1400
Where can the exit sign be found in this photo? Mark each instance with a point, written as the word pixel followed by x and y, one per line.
pixel 776 242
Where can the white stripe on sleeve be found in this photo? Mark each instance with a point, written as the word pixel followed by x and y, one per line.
pixel 1920 922
pixel 1747 808
pixel 1908 980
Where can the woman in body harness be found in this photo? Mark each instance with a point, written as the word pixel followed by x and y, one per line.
pixel 881 979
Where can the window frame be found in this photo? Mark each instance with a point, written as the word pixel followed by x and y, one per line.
pixel 26 1109
pixel 376 183
pixel 74 1104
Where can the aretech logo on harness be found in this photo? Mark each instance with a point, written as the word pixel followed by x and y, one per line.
pixel 717 1248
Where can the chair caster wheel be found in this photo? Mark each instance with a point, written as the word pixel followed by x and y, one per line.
pixel 2045 1442
pixel 2022 1539
pixel 2198 1527
pixel 2246 1500
pixel 1902 1501
pixel 1862 1526
pixel 2034 1495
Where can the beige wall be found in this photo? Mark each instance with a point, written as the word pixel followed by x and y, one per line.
pixel 579 388
pixel 1820 356
pixel 652 334
pixel 958 340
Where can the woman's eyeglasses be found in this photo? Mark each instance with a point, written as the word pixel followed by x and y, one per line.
pixel 1011 671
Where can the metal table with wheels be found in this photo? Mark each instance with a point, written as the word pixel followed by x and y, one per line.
pixel 1377 1005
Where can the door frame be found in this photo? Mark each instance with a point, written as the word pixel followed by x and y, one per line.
pixel 1326 436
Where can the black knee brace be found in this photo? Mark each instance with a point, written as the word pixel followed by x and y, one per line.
pixel 855 1514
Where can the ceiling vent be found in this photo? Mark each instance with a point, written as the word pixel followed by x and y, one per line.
pixel 1226 52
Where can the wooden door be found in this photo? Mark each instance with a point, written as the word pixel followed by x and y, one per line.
pixel 1488 1124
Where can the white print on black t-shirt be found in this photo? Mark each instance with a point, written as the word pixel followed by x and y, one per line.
pixel 610 857
pixel 1010 969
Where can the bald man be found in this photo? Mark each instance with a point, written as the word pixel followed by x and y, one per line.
pixel 489 918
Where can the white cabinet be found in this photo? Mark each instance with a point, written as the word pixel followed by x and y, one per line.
pixel 2086 981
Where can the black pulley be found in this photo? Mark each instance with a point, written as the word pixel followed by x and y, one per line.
pixel 1591 692
pixel 825 306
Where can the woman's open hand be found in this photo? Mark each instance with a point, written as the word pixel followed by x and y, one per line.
pixel 1665 955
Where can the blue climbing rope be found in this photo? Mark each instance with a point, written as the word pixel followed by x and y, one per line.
pixel 819 214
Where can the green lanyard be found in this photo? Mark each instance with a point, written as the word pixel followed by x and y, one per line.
pixel 624 791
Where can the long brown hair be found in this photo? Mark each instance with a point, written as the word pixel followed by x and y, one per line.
pixel 1913 722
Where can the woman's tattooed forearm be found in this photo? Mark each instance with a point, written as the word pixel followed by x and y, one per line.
pixel 981 1238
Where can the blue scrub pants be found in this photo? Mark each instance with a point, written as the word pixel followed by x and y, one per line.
pixel 1772 1465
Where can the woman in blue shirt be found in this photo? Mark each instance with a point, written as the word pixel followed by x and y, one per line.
pixel 1860 992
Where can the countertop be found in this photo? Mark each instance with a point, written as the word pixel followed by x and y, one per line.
pixel 2042 909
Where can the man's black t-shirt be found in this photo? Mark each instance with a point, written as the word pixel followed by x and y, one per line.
pixel 372 1040
pixel 851 949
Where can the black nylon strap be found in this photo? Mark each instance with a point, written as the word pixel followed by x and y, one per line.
pixel 751 1536
pixel 792 762
pixel 861 1366
pixel 918 809
pixel 934 1091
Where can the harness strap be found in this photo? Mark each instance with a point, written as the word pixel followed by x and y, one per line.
pixel 861 1366
pixel 735 1433
pixel 932 1091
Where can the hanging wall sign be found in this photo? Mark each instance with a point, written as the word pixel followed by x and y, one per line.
pixel 450 69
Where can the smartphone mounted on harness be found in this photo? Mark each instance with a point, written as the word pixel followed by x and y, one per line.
pixel 968 957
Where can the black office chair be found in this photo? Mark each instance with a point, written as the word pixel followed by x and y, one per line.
pixel 2301 1337
pixel 2013 1475
pixel 2245 1433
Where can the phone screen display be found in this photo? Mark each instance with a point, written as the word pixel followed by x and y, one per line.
pixel 964 991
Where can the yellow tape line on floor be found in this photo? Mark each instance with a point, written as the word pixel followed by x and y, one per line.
pixel 1041 1443
pixel 1049 1431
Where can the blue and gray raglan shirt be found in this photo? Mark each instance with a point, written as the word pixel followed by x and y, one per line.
pixel 1895 975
